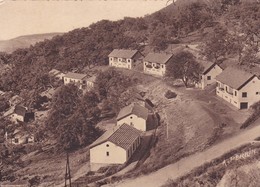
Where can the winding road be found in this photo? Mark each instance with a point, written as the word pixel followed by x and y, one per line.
pixel 183 166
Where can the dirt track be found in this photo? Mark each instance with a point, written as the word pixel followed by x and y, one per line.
pixel 185 165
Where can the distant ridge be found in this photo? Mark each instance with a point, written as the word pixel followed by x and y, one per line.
pixel 24 41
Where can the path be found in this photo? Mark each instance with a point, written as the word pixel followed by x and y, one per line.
pixel 185 165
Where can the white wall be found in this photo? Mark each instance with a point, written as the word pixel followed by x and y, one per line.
pixel 76 81
pixel 135 121
pixel 160 72
pixel 117 155
pixel 215 71
pixel 235 99
pixel 118 63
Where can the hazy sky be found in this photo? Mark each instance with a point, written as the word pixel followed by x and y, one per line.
pixel 23 17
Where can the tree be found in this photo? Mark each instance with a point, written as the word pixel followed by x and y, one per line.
pixel 73 117
pixel 185 67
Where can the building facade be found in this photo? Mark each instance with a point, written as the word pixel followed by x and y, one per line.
pixel 208 77
pixel 155 63
pixel 134 115
pixel 76 78
pixel 239 88
pixel 124 58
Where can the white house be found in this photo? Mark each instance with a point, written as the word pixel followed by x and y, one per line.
pixel 124 58
pixel 22 137
pixel 76 78
pixel 155 63
pixel 238 87
pixel 115 146
pixel 134 115
pixel 208 77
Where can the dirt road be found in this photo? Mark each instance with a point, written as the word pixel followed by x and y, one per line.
pixel 185 165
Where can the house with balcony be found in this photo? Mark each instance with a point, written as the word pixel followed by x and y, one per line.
pixel 76 78
pixel 155 63
pixel 124 58
pixel 115 146
pixel 208 76
pixel 238 87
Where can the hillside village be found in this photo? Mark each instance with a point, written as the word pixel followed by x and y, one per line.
pixel 135 105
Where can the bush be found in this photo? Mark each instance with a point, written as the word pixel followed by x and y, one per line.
pixel 169 94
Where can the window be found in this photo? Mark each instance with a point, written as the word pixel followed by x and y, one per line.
pixel 16 140
pixel 111 59
pixel 131 117
pixel 107 153
pixel 107 145
pixel 257 93
pixel 208 77
pixel 235 93
pixel 162 66
pixel 244 94
pixel 128 60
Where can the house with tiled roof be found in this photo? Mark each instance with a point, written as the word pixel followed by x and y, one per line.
pixel 208 76
pixel 76 78
pixel 155 63
pixel 115 146
pixel 22 114
pixel 238 87
pixel 124 58
pixel 134 115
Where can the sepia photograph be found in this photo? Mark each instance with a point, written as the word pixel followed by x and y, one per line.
pixel 129 93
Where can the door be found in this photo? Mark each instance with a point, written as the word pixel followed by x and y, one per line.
pixel 243 105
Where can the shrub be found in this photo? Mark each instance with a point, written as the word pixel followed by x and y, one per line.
pixel 169 94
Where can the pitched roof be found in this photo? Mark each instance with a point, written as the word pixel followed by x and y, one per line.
pixel 123 53
pixel 54 72
pixel 20 110
pixel 75 75
pixel 134 108
pixel 234 77
pixel 161 58
pixel 123 136
pixel 208 66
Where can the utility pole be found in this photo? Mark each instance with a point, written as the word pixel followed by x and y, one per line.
pixel 67 174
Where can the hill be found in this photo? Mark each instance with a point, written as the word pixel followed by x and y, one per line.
pixel 24 41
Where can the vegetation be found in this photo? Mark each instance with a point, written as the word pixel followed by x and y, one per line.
pixel 169 94
pixel 253 117
pixel 72 117
pixel 185 67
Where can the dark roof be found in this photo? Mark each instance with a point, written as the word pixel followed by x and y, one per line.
pixel 134 108
pixel 123 136
pixel 75 75
pixel 123 53
pixel 235 78
pixel 20 110
pixel 208 66
pixel 161 58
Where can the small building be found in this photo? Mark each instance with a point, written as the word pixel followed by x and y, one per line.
pixel 238 87
pixel 155 63
pixel 115 146
pixel 91 82
pixel 76 78
pixel 134 115
pixel 22 114
pixel 22 137
pixel 124 58
pixel 15 100
pixel 48 93
pixel 208 77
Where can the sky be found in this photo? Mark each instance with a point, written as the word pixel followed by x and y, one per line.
pixel 24 17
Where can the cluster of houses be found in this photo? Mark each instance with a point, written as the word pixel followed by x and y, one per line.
pixel 117 145
pixel 236 86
